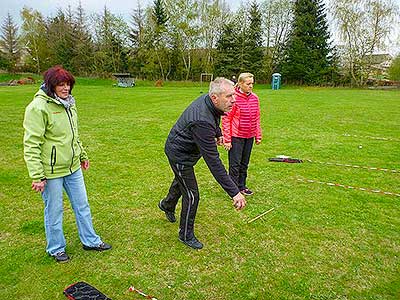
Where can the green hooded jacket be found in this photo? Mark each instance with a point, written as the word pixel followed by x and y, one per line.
pixel 51 141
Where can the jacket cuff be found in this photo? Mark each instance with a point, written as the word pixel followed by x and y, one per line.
pixel 40 179
pixel 227 138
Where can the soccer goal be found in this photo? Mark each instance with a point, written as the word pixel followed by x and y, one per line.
pixel 205 78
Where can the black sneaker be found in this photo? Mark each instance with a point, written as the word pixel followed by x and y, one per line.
pixel 102 247
pixel 192 243
pixel 61 257
pixel 247 192
pixel 169 214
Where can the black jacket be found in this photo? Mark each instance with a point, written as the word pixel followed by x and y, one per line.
pixel 193 136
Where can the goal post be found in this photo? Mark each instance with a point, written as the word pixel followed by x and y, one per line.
pixel 205 78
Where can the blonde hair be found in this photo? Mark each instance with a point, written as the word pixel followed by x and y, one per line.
pixel 243 76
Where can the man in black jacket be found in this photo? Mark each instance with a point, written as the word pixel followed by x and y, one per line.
pixel 195 135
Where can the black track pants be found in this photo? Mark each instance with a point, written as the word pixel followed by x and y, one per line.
pixel 239 158
pixel 185 185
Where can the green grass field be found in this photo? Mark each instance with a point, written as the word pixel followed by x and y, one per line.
pixel 320 241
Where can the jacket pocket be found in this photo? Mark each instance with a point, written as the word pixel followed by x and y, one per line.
pixel 53 158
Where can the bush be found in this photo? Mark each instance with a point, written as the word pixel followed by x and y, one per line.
pixel 394 70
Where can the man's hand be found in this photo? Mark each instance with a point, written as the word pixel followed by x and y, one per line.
pixel 39 186
pixel 258 142
pixel 220 141
pixel 85 164
pixel 227 146
pixel 239 202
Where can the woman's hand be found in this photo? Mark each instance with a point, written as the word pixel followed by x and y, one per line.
pixel 227 146
pixel 39 186
pixel 239 202
pixel 85 164
pixel 220 141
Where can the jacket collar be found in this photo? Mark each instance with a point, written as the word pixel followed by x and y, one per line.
pixel 215 111
pixel 42 94
pixel 239 91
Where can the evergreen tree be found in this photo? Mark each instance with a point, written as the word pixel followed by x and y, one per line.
pixel 60 38
pixel 111 53
pixel 3 62
pixel 137 54
pixel 226 57
pixel 254 42
pixel 83 51
pixel 242 41
pixel 160 14
pixel 9 43
pixel 308 54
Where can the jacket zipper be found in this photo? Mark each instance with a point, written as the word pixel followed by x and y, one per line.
pixel 73 137
pixel 53 158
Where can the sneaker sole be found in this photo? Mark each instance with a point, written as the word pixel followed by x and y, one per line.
pixel 63 261
pixel 95 249
pixel 247 194
pixel 59 261
pixel 190 246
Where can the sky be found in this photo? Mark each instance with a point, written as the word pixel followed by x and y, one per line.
pixel 120 7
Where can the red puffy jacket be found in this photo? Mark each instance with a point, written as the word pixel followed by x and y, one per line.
pixel 243 120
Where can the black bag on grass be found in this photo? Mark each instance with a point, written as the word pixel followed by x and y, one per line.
pixel 84 291
pixel 285 160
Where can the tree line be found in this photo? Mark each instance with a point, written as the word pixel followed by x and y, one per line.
pixel 180 39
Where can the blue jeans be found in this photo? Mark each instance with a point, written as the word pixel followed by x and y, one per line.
pixel 52 196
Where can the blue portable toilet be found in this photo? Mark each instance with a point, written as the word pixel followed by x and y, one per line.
pixel 276 81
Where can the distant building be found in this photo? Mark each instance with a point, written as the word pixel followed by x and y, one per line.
pixel 373 66
pixel 380 64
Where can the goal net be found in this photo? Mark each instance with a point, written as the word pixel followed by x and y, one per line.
pixel 205 79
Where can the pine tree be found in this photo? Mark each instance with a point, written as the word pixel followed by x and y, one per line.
pixel 242 40
pixel 307 57
pixel 159 13
pixel 110 46
pixel 60 37
pixel 226 58
pixel 83 51
pixel 254 42
pixel 137 40
pixel 9 43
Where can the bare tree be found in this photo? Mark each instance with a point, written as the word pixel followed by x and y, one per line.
pixel 277 20
pixel 33 36
pixel 364 26
pixel 184 29
pixel 213 15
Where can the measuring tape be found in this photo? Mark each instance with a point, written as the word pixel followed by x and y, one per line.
pixel 352 166
pixel 349 187
pixel 372 137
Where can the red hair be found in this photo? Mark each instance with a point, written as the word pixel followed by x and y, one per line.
pixel 56 75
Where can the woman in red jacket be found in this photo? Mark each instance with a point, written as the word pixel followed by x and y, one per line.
pixel 241 126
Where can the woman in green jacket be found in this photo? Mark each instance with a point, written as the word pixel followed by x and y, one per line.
pixel 54 157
